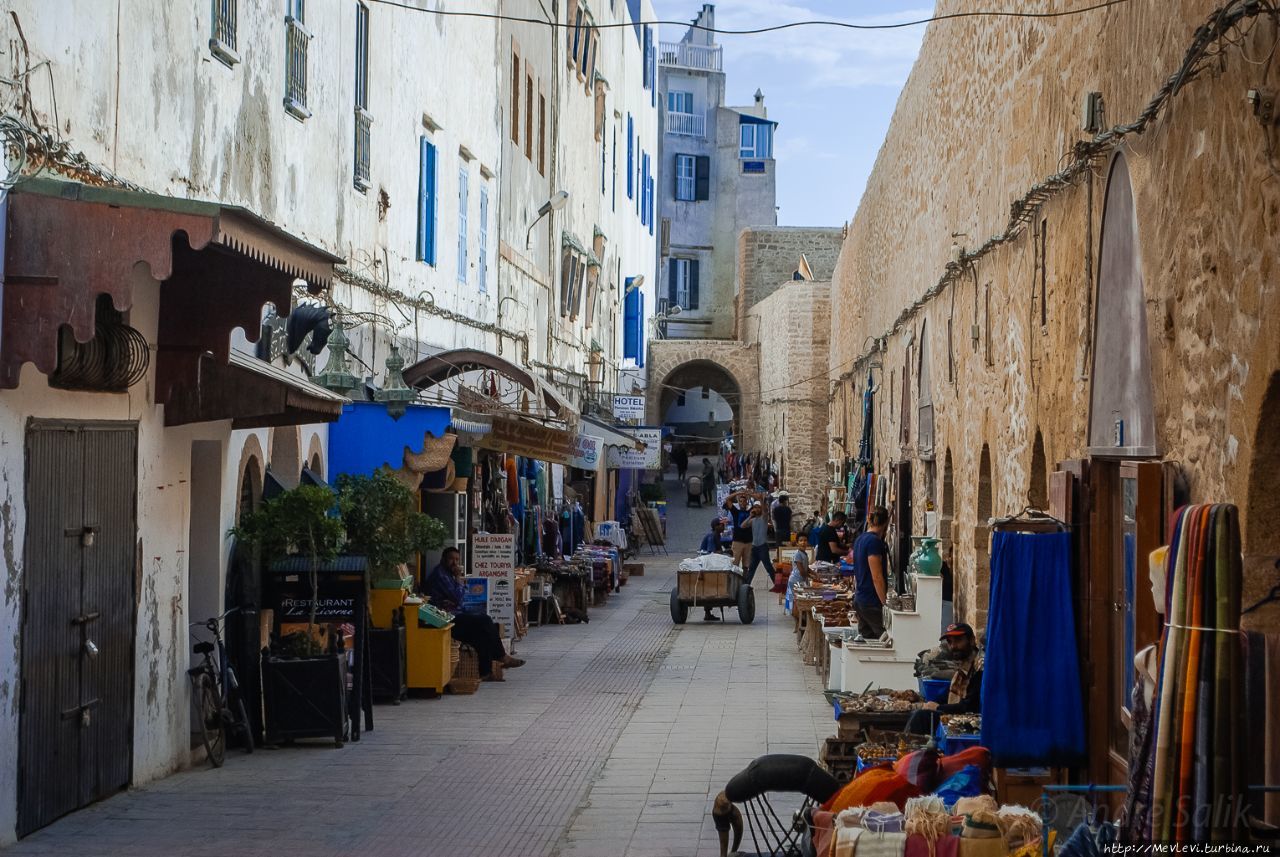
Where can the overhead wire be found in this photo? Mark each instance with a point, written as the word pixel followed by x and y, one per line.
pixel 755 31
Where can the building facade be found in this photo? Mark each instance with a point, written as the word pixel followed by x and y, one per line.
pixel 1105 348
pixel 716 176
pixel 264 159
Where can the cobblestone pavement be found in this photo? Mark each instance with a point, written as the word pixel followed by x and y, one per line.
pixel 612 740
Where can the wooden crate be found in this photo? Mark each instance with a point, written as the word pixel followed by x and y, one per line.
pixel 703 585
pixel 633 569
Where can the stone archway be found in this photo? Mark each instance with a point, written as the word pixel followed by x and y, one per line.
pixel 676 365
pixel 249 477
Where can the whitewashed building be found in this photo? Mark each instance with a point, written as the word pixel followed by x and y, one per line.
pixel 198 162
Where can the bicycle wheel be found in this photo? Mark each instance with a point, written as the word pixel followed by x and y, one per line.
pixel 209 717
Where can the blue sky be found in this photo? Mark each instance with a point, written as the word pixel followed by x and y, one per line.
pixel 832 90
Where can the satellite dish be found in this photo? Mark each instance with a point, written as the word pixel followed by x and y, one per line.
pixel 805 272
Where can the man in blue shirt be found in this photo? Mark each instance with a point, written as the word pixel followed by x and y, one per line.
pixel 870 571
pixel 759 543
pixel 711 544
pixel 444 588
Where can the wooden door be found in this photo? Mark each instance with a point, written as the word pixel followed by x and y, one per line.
pixel 76 720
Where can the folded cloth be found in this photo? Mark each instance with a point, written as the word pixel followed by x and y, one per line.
pixel 871 844
pixel 878 821
pixel 847 832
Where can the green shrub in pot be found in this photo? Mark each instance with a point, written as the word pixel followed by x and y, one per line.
pixel 383 523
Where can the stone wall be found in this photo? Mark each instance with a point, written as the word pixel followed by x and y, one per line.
pixel 676 364
pixel 768 256
pixel 790 327
pixel 991 108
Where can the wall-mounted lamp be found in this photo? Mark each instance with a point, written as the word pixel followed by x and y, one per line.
pixel 636 282
pixel 558 201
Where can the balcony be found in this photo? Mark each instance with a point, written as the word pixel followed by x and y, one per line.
pixel 684 55
pixel 686 124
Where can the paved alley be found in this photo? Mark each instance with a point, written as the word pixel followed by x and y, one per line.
pixel 612 740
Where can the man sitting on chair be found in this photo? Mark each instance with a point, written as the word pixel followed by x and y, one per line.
pixel 444 587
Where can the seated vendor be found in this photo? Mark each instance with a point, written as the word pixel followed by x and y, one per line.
pixel 711 543
pixel 965 693
pixel 445 589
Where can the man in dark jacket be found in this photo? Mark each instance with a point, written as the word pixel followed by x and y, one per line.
pixel 444 587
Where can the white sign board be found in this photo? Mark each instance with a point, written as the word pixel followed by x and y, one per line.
pixel 650 458
pixel 586 452
pixel 493 558
pixel 628 407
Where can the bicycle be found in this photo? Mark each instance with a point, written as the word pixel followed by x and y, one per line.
pixel 216 694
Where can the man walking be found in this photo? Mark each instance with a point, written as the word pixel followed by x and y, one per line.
pixel 740 520
pixel 681 457
pixel 870 560
pixel 759 543
pixel 708 482
pixel 782 518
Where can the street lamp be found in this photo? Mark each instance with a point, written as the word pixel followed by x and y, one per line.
pixel 636 282
pixel 660 320
pixel 558 201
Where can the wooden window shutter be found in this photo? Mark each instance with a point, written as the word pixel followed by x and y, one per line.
pixel 666 234
pixel 693 284
pixel 673 275
pixel 702 178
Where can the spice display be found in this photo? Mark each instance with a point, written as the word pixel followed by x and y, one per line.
pixel 880 700
pixel 962 724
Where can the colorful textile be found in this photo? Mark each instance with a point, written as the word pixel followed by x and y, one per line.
pixel 1032 714
pixel 872 786
pixel 920 768
pixel 1198 776
pixel 872 844
pixel 966 783
pixel 954 763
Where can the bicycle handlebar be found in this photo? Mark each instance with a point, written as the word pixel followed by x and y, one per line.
pixel 213 622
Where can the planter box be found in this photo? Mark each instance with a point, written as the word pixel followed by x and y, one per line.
pixel 305 698
pixel 387 664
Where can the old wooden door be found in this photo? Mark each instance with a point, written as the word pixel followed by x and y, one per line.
pixel 76 721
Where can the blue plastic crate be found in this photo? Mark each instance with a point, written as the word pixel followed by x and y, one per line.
pixel 865 764
pixel 934 689
pixel 949 744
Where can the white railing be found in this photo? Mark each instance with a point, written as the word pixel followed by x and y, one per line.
pixel 297 40
pixel 684 55
pixel 687 124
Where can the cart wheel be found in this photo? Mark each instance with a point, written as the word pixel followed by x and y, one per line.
pixel 746 604
pixel 679 611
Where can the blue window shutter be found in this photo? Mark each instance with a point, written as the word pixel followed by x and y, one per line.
pixel 640 343
pixel 427 202
pixel 631 156
pixel 483 261
pixel 462 224
pixel 651 195
pixel 630 311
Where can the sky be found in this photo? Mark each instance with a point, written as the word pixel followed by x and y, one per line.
pixel 831 90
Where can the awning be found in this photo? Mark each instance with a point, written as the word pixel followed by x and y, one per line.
pixel 365 437
pixel 252 394
pixel 440 367
pixel 67 243
pixel 611 435
pixel 748 119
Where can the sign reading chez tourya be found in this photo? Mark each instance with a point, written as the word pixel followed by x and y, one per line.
pixel 493 561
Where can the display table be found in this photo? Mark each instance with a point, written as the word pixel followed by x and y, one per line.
pixel 854 665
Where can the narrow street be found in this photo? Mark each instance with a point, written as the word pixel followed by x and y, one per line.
pixel 612 740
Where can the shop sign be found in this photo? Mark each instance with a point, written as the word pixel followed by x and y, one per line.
pixel 327 609
pixel 649 458
pixel 586 452
pixel 519 437
pixel 628 407
pixel 493 562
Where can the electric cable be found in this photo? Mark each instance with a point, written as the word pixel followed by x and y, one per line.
pixel 847 25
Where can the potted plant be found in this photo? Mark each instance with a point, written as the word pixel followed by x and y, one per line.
pixel 383 524
pixel 304 687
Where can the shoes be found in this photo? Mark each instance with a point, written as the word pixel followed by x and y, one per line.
pixel 710 617
pixel 511 663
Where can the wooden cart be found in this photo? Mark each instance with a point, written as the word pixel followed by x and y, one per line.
pixel 712 589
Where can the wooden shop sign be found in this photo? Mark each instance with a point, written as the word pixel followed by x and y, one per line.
pixel 518 437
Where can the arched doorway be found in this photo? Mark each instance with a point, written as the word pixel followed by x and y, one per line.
pixel 1121 410
pixel 702 402
pixel 1038 488
pixel 982 542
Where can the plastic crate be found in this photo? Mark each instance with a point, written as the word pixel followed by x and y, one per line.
pixel 866 764
pixel 935 689
pixel 949 744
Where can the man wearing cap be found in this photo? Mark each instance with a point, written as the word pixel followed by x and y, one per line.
pixel 964 696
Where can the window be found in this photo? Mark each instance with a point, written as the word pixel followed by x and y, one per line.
pixel 484 239
pixel 462 225
pixel 682 283
pixel 633 324
pixel 644 188
pixel 577 37
pixel 528 116
pixel 651 194
pixel 542 134
pixel 426 201
pixel 680 400
pixel 515 98
pixel 685 177
pixel 614 201
pixel 223 43
pixel 296 41
pixel 604 168
pixel 679 102
pixel 631 156
pixel 363 121
pixel 647 57
pixel 756 140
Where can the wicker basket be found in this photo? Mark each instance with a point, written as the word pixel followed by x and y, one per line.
pixel 436 453
pixel 466 675
pixel 455 654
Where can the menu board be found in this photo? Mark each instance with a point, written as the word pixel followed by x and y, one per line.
pixel 493 559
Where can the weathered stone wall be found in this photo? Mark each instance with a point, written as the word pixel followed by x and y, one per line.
pixel 790 327
pixel 768 256
pixel 991 108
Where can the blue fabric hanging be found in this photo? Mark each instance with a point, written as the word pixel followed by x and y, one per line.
pixel 1032 711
